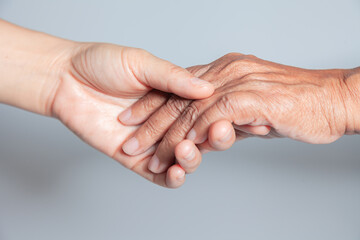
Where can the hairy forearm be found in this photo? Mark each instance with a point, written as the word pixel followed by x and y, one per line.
pixel 31 64
pixel 352 100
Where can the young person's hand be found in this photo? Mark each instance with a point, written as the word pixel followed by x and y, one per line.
pixel 87 85
pixel 105 79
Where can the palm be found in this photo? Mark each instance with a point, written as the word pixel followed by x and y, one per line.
pixel 88 103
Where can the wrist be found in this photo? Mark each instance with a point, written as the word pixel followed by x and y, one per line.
pixel 31 65
pixel 352 100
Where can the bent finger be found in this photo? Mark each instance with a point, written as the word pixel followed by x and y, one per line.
pixel 142 109
pixel 221 135
pixel 240 109
pixel 188 156
pixel 156 126
pixel 254 130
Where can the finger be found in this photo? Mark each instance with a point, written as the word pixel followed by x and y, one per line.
pixel 241 109
pixel 188 156
pixel 156 126
pixel 175 176
pixel 206 147
pixel 165 76
pixel 164 155
pixel 254 130
pixel 221 135
pixel 141 110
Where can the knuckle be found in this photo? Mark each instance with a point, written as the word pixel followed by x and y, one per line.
pixel 225 63
pixel 191 113
pixel 149 103
pixel 225 105
pixel 252 77
pixel 239 65
pixel 176 133
pixel 151 128
pixel 233 55
pixel 245 61
pixel 180 128
pixel 172 138
pixel 175 105
pixel 250 56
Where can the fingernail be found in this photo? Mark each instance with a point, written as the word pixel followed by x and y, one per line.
pixel 199 82
pixel 190 155
pixel 154 164
pixel 131 146
pixel 191 135
pixel 201 140
pixel 225 138
pixel 125 115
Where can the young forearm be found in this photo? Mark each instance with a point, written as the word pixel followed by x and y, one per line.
pixel 30 67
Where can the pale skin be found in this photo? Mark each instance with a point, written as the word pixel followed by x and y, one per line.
pixel 253 97
pixel 87 85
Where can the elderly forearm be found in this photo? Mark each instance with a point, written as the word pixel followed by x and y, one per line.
pixel 30 67
pixel 352 100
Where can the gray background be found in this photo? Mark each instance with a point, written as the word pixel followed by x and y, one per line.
pixel 53 186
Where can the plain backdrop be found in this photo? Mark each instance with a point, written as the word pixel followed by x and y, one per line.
pixel 53 186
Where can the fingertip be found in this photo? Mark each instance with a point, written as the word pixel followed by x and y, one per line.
pixel 131 146
pixel 192 88
pixel 184 149
pixel 175 176
pixel 188 156
pixel 128 118
pixel 125 116
pixel 191 135
pixel 201 88
pixel 194 137
pixel 221 135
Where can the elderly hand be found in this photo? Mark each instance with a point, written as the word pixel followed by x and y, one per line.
pixel 257 97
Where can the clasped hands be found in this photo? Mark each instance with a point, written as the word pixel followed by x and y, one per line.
pixel 157 118
pixel 115 99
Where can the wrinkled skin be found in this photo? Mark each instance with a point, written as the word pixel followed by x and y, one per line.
pixel 97 84
pixel 259 98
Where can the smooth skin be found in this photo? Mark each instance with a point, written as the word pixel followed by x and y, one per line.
pixel 87 85
pixel 253 97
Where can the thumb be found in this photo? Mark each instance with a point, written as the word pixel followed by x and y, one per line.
pixel 165 76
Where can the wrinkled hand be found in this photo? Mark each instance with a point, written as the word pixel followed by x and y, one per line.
pixel 101 80
pixel 253 97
